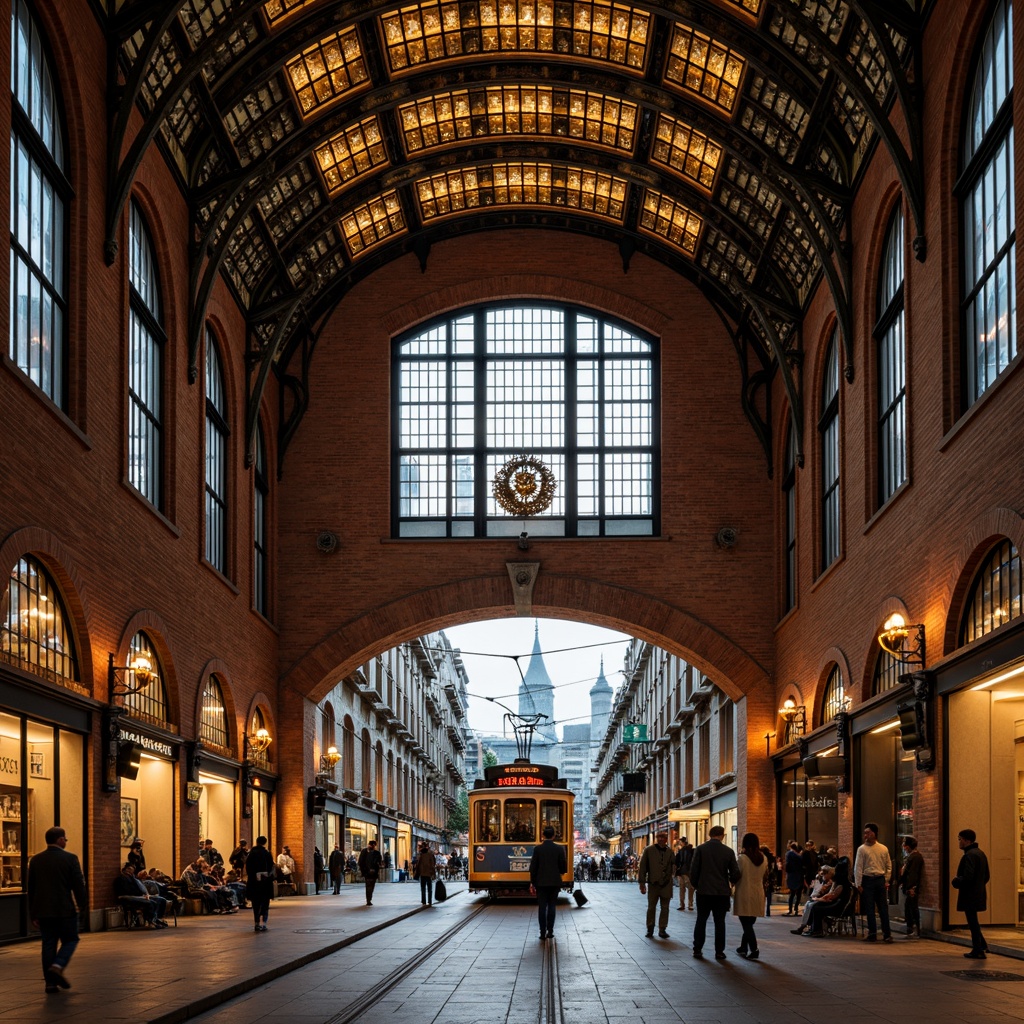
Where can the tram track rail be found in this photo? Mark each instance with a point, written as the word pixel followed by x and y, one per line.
pixel 551 1010
pixel 355 1010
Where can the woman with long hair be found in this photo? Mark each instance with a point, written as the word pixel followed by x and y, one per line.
pixel 748 895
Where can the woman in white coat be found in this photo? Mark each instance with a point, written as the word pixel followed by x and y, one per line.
pixel 748 895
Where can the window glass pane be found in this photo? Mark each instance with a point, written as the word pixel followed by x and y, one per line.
pixel 486 386
pixel 987 209
pixel 554 813
pixel 216 459
pixel 832 702
pixel 829 430
pixel 995 595
pixel 520 821
pixel 35 632
pixel 38 192
pixel 261 490
pixel 213 725
pixel 149 702
pixel 13 839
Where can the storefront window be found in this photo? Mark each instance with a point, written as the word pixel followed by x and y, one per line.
pixel 808 809
pixel 33 757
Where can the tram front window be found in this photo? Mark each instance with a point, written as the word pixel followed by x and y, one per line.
pixel 488 821
pixel 552 812
pixel 520 821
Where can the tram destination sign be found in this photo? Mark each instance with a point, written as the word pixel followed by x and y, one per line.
pixel 521 775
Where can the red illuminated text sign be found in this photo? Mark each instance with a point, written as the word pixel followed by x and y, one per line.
pixel 523 780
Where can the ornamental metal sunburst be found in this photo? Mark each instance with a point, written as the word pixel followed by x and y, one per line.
pixel 524 486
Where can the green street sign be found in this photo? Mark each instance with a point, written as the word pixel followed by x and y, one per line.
pixel 634 733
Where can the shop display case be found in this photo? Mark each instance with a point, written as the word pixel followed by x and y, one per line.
pixel 10 838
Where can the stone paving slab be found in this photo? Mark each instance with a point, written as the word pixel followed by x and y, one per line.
pixel 306 968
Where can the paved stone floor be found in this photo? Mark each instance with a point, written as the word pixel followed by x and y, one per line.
pixel 322 953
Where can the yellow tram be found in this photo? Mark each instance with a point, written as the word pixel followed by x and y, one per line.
pixel 508 811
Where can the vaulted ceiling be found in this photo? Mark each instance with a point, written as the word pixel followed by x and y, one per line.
pixel 316 140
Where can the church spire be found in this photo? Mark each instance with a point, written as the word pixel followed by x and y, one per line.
pixel 537 692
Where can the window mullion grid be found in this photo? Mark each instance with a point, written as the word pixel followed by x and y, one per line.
pixel 570 420
pixel 480 489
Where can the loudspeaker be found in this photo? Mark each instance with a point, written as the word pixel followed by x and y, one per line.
pixel 129 760
pixel 816 767
pixel 634 782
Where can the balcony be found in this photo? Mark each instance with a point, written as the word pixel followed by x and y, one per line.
pixel 453 699
pixel 430 698
pixel 458 740
pixel 424 658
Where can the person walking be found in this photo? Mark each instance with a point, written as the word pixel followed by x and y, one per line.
pixel 972 877
pixel 910 884
pixel 56 896
pixel 657 865
pixel 370 862
pixel 713 872
pixel 547 866
pixel 748 896
pixel 872 869
pixel 336 867
pixel 684 857
pixel 425 870
pixel 259 888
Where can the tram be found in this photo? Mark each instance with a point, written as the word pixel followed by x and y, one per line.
pixel 508 811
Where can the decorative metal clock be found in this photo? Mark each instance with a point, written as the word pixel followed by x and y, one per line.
pixel 524 486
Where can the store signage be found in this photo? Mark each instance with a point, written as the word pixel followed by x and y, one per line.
pixel 805 802
pixel 148 743
pixel 634 733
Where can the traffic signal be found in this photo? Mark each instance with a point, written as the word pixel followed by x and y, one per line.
pixel 912 725
pixel 316 800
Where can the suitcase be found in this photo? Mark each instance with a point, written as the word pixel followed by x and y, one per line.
pixel 440 892
pixel 579 897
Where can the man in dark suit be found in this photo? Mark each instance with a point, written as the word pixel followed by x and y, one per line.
pixel 972 876
pixel 56 896
pixel 547 866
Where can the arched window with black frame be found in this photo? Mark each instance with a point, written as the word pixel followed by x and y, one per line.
pixel 35 631
pixel 145 365
pixel 995 596
pixel 150 703
pixel 559 383
pixel 216 460
pixel 834 698
pixel 985 192
pixel 828 429
pixel 213 721
pixel 39 197
pixel 886 675
pixel 890 339
pixel 261 493
pixel 789 502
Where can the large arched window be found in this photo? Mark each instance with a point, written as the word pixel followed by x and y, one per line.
pixel 216 460
pixel 366 763
pixel 995 594
pixel 348 755
pixel 213 723
pixel 887 672
pixel 261 490
pixel 834 699
pixel 828 428
pixel 892 374
pixel 145 365
pixel 35 632
pixel 39 196
pixel 555 382
pixel 149 703
pixel 789 499
pixel 986 195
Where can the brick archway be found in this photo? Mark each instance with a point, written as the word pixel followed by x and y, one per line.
pixel 557 596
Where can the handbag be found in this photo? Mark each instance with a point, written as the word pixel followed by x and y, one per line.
pixel 440 891
pixel 579 897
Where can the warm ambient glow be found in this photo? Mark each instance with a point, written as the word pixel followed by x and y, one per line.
pixel 332 756
pixel 888 727
pixel 327 70
pixel 259 741
pixel 1001 678
pixel 789 709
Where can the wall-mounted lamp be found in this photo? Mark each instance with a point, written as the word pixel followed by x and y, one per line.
pixel 131 678
pixel 258 742
pixel 905 643
pixel 329 760
pixel 795 717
